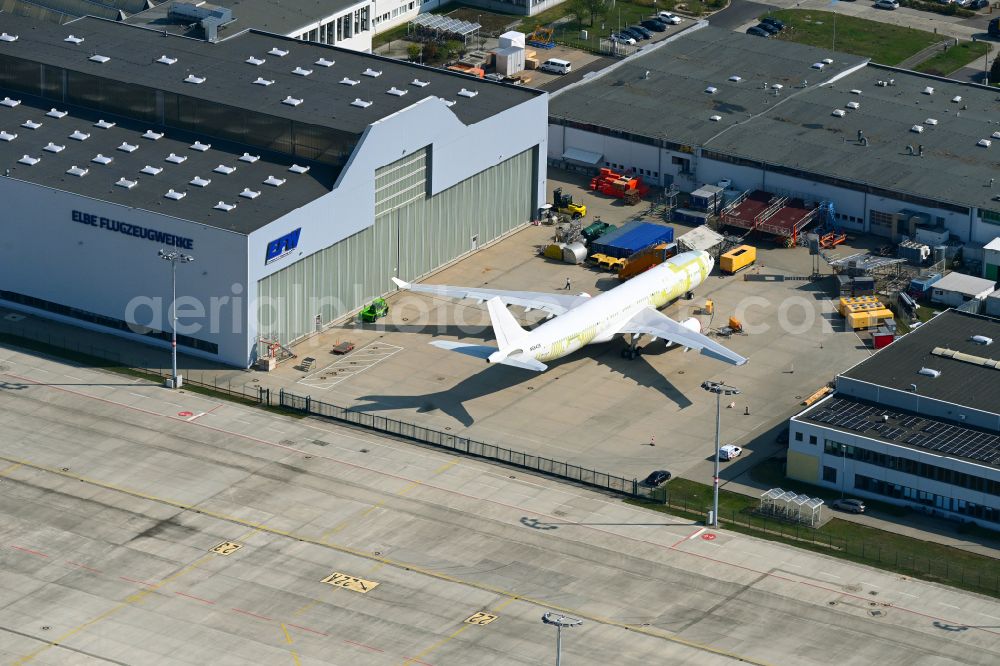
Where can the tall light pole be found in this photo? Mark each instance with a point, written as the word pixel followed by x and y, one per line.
pixel 174 258
pixel 560 621
pixel 719 389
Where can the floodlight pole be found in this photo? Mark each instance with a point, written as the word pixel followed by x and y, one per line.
pixel 175 380
pixel 718 388
pixel 560 621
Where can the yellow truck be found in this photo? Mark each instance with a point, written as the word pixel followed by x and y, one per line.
pixel 737 259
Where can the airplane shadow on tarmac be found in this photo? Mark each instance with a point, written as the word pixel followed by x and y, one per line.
pixel 492 378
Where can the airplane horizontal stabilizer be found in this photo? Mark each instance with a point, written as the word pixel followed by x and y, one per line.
pixel 525 363
pixel 478 351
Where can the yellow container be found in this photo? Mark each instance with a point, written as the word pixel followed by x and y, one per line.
pixel 555 251
pixel 737 259
pixel 850 304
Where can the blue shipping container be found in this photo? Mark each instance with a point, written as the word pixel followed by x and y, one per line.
pixel 631 238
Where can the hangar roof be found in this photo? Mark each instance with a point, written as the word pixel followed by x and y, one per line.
pixel 796 127
pixel 130 152
pixel 961 382
pixel 331 95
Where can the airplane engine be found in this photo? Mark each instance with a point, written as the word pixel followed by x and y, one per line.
pixel 691 324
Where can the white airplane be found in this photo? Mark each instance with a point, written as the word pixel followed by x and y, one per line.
pixel 630 308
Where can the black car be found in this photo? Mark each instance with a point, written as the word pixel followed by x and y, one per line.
pixel 634 34
pixel 657 478
pixel 771 21
pixel 660 26
pixel 978 4
pixel 757 32
pixel 642 31
pixel 768 28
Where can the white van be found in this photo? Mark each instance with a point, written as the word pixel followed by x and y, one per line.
pixel 556 66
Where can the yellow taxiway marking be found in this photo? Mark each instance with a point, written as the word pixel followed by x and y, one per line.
pixel 361 585
pixel 435 646
pixel 10 468
pixel 306 607
pixel 347 550
pixel 227 548
pixel 479 619
pixel 288 636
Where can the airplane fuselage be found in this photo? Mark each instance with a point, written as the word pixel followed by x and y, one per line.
pixel 599 318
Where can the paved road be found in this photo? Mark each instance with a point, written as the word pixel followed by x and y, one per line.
pixel 113 494
pixel 739 13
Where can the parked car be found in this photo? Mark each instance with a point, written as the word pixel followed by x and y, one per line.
pixel 657 478
pixel 757 32
pixel 622 39
pixel 768 28
pixel 641 30
pixel 977 4
pixel 634 34
pixel 667 17
pixel 729 451
pixel 886 4
pixel 656 25
pixel 777 23
pixel 849 505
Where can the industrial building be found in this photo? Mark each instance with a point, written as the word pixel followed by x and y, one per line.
pixel 301 177
pixel 916 424
pixel 892 150
pixel 957 288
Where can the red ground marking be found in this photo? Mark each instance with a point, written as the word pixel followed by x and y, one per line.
pixel 708 537
pixel 191 596
pixel 185 413
pixel 367 647
pixel 29 551
pixel 137 582
pixel 312 631
pixel 246 612
pixel 83 566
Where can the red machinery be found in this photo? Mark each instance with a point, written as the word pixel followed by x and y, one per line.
pixel 619 185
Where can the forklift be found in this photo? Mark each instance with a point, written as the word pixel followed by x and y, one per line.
pixel 375 311
pixel 563 203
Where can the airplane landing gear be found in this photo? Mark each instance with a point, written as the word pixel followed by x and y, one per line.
pixel 633 350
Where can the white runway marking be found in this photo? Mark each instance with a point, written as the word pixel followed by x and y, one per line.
pixel 698 533
pixel 351 364
pixel 827 573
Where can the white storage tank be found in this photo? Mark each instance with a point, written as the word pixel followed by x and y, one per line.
pixel 512 38
pixel 575 253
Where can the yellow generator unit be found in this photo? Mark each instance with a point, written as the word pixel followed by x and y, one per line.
pixel 737 259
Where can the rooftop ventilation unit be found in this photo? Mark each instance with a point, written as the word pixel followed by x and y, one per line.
pixel 223 169
pixel 917 128
pixel 166 60
pixel 448 102
pixel 292 101
pixel 931 121
pixel 396 91
pixel 198 181
pixel 302 71
pixel 256 62
pixel 208 17
pixel 77 135
pixel 468 93
pixel 150 170
pixel 195 79
pixel 73 39
pixel 929 90
pixel 29 160
pixel 374 73
pixel 200 147
pixel 4 37
pixel 776 86
pixel 126 183
pixel 295 168
pixel 127 147
pixel 274 182
pixel 77 171
pixel 247 157
pixel 995 135
pixel 99 58
pixel 420 84
pixel 929 372
pixel 956 99
pixel 102 159
pixel 7 101
pixel 104 124
pixel 360 103
pixel 715 119
pixel 735 79
pixel 323 62
pixel 828 61
pixel 247 193
pixel 223 206
pixel 855 91
pixel 174 194
pixel 56 113
pixel 281 53
pixel 152 136
pixel 53 148
pixel 818 65
pixel 840 113
pixel 261 81
pixel 7 136
pixel 982 340
pixel 349 82
pixel 853 105
pixel 984 143
pixel 174 158
pixel 711 90
pixel 31 124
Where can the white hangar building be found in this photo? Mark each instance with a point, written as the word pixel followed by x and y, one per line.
pixel 300 177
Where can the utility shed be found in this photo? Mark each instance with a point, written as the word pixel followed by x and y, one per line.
pixel 631 238
pixel 991 259
pixel 957 288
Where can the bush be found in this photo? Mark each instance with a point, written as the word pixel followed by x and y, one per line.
pixel 951 9
pixel 413 52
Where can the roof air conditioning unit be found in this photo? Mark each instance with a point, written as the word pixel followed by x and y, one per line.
pixel 929 372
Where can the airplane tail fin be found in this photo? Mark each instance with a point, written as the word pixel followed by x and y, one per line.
pixel 506 328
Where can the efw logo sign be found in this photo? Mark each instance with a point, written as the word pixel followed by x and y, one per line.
pixel 283 246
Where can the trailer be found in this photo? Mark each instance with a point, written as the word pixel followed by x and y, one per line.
pixel 737 259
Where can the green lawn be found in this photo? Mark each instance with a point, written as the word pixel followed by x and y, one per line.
pixel 883 43
pixel 954 58
pixel 839 538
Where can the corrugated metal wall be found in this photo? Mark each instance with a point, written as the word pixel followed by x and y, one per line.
pixel 413 232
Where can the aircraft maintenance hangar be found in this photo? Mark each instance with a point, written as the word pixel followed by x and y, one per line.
pixel 300 177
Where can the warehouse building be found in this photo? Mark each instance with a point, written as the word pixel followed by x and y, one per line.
pixel 957 288
pixel 301 178
pixel 916 424
pixel 886 146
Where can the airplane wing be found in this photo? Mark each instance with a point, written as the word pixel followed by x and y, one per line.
pixel 653 322
pixel 555 304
